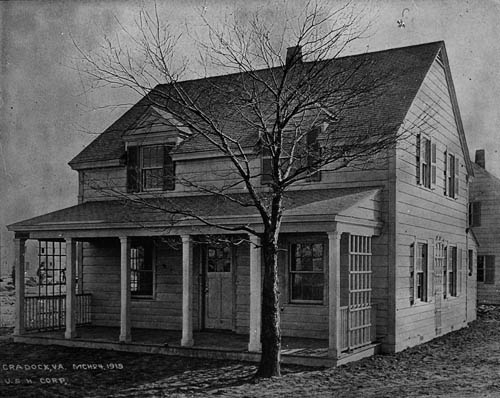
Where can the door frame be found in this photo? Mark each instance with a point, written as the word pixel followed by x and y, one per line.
pixel 203 263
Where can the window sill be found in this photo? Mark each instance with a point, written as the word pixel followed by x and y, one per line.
pixel 142 298
pixel 304 303
pixel 419 303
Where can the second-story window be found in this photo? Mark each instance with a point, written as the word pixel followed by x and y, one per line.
pixel 486 269
pixel 475 214
pixel 425 161
pixel 307 157
pixel 150 168
pixel 451 175
pixel 267 166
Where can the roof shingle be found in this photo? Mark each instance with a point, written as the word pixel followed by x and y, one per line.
pixel 407 67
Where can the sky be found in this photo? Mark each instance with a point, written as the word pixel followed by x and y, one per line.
pixel 49 111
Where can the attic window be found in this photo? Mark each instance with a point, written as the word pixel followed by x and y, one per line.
pixel 150 168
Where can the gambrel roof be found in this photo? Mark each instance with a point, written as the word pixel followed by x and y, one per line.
pixel 406 67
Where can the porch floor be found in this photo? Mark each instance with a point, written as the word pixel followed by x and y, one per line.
pixel 209 344
pixel 218 339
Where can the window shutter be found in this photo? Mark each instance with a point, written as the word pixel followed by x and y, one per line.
pixel 266 170
pixel 457 175
pixel 133 169
pixel 433 165
pixel 168 170
pixel 431 261
pixel 480 268
pixel 489 270
pixel 425 268
pixel 412 273
pixel 459 270
pixel 445 172
pixel 476 214
pixel 418 160
pixel 313 153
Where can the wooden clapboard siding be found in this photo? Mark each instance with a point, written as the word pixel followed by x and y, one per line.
pixel 101 278
pixel 301 320
pixel 485 188
pixel 242 288
pixel 101 273
pixel 110 182
pixel 103 183
pixel 424 214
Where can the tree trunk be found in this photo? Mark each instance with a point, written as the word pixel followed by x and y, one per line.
pixel 270 333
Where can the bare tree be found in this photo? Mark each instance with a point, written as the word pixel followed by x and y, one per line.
pixel 290 110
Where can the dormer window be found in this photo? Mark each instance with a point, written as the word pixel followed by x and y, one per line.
pixel 150 168
pixel 306 158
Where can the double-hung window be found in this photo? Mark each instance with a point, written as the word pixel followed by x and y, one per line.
pixel 452 272
pixel 475 214
pixel 306 272
pixel 486 269
pixel 150 168
pixel 307 157
pixel 451 175
pixel 419 265
pixel 425 161
pixel 141 270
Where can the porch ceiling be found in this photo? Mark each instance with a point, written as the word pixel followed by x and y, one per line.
pixel 301 206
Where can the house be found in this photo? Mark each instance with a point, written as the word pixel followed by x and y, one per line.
pixel 373 258
pixel 483 216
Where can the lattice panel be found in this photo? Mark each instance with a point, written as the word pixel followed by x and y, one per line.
pixel 360 291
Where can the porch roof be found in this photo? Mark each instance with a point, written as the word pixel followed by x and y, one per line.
pixel 174 212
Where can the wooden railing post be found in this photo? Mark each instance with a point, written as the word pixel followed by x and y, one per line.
pixel 335 327
pixel 254 343
pixel 19 245
pixel 125 295
pixel 187 291
pixel 70 289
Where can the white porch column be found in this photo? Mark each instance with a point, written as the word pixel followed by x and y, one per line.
pixel 125 335
pixel 187 291
pixel 19 244
pixel 254 344
pixel 70 289
pixel 334 339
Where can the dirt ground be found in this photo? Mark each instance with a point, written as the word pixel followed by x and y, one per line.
pixel 464 363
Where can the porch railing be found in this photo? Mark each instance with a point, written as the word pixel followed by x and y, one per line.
pixel 49 312
pixel 352 336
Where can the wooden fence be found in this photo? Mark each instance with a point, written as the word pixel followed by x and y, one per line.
pixel 49 312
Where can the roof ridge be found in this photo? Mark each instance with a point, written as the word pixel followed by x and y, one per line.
pixel 440 42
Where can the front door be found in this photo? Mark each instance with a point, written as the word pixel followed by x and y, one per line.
pixel 219 287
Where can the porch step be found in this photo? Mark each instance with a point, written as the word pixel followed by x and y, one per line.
pixel 359 353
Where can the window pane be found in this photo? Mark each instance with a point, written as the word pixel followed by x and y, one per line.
pixel 212 265
pixel 318 250
pixel 152 178
pixel 318 264
pixel 307 287
pixel 480 268
pixel 306 264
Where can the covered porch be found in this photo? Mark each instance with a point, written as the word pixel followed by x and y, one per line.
pixel 351 315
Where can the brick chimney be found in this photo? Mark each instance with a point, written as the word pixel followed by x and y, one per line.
pixel 293 55
pixel 480 158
